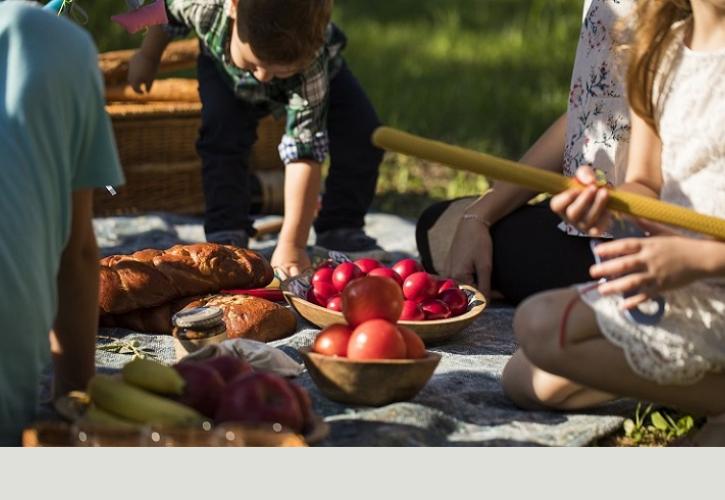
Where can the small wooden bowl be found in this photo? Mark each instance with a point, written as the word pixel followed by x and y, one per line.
pixel 432 332
pixel 369 383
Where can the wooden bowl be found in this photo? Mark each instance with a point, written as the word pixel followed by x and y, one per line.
pixel 369 383
pixel 432 332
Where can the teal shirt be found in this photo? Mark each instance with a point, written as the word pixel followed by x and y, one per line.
pixel 55 138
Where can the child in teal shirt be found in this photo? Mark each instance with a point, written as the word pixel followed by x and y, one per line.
pixel 56 145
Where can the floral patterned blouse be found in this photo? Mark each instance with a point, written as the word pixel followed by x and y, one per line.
pixel 598 115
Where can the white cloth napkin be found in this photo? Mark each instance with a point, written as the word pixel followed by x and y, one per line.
pixel 261 356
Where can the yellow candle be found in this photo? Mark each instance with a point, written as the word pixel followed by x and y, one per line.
pixel 543 181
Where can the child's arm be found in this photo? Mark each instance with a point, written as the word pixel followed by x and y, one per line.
pixel 304 147
pixel 144 64
pixel 470 258
pixel 73 339
pixel 301 191
pixel 656 264
pixel 644 170
pixel 585 206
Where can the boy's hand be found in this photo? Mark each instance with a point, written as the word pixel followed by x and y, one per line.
pixel 142 69
pixel 289 260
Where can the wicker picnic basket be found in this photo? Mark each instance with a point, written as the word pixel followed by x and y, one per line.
pixel 176 187
pixel 156 135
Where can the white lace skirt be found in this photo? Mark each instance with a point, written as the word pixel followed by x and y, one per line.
pixel 688 342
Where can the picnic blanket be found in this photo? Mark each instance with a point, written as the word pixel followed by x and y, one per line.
pixel 462 404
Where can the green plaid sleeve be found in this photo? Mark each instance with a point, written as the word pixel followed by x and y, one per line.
pixel 193 15
pixel 306 132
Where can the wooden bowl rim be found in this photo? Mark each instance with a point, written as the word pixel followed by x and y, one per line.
pixel 430 356
pixel 473 313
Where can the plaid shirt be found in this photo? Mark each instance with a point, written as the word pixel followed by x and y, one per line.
pixel 303 97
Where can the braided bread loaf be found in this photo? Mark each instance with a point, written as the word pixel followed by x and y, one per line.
pixel 244 316
pixel 156 320
pixel 149 278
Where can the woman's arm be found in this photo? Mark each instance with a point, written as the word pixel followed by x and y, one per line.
pixel 470 258
pixel 547 153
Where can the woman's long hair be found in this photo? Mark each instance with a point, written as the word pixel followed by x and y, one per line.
pixel 652 37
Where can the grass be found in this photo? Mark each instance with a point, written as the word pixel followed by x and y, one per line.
pixel 489 75
pixel 484 74
pixel 652 427
pixel 407 186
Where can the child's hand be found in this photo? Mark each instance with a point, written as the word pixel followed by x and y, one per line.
pixel 584 207
pixel 289 260
pixel 648 265
pixel 142 69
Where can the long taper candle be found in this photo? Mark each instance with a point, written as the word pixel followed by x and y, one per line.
pixel 543 181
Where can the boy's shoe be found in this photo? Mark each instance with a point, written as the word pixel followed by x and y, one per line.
pixel 238 238
pixel 351 240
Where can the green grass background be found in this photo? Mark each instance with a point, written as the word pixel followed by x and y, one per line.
pixel 485 74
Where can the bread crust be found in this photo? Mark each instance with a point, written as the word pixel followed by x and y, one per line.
pixel 150 278
pixel 244 316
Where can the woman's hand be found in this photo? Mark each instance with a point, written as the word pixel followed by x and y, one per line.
pixel 471 255
pixel 648 266
pixel 142 69
pixel 584 207
pixel 289 260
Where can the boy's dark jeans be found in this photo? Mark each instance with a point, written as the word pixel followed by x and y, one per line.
pixel 228 132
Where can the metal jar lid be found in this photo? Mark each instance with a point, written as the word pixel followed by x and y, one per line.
pixel 198 317
pixel 199 334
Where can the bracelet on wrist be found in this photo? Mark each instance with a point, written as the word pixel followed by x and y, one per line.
pixel 477 218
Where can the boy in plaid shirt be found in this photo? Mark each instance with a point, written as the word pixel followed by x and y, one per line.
pixel 283 57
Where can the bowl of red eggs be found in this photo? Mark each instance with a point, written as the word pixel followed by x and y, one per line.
pixel 434 308
pixel 370 359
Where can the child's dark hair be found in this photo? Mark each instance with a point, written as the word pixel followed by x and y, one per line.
pixel 283 31
pixel 652 38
